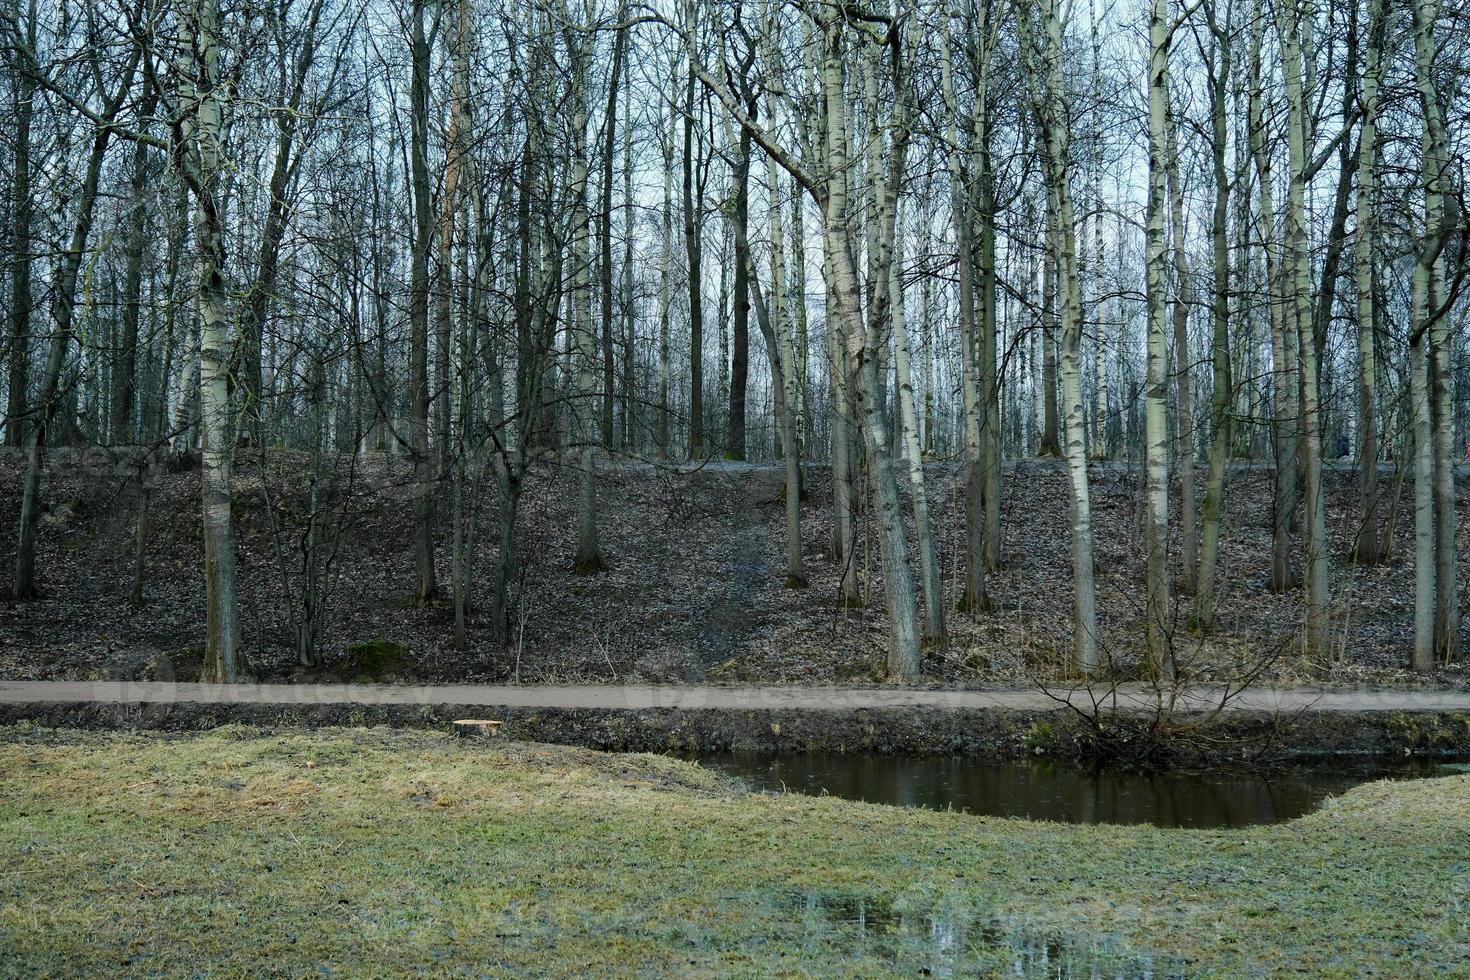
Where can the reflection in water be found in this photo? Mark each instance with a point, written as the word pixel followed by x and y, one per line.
pixel 1041 790
pixel 952 938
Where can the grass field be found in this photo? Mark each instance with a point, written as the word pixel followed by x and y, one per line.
pixel 370 852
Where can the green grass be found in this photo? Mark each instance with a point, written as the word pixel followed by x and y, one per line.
pixel 374 852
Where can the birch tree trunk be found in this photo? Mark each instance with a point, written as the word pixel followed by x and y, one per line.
pixel 1183 362
pixel 1299 311
pixel 202 132
pixel 1156 434
pixel 1434 455
pixel 844 529
pixel 905 651
pixel 934 632
pixel 1050 98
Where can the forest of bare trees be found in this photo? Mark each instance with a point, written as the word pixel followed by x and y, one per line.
pixel 485 236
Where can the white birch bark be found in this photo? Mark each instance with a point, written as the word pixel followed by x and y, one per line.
pixel 201 102
pixel 1298 288
pixel 1050 96
pixel 934 632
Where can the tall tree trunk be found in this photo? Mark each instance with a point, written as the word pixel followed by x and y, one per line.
pixel 1050 442
pixel 203 132
pixel 628 300
pixel 1156 436
pixel 1436 460
pixel 427 586
pixel 1183 363
pixel 584 334
pixel 797 278
pixel 975 598
pixel 990 380
pixel 908 420
pixel 1220 68
pixel 1050 100
pixel 1368 542
pixel 665 288
pixel 609 312
pixel 904 650
pixel 1299 309
pixel 695 249
pixel 740 334
pixel 124 379
pixel 770 318
pixel 1423 441
pixel 22 207
pixel 1283 362
pixel 844 529
pixel 457 143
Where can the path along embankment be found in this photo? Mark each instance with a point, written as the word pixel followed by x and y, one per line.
pixel 838 719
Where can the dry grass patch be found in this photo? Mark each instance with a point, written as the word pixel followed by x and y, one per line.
pixel 376 852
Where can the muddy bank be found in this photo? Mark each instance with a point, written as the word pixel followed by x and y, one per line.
pixel 993 732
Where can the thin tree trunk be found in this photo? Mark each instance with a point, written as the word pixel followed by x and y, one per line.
pixel 934 632
pixel 609 314
pixel 665 288
pixel 783 382
pixel 1183 363
pixel 1283 363
pixel 1298 287
pixel 975 598
pixel 1220 397
pixel 740 334
pixel 692 241
pixel 124 383
pixel 1367 544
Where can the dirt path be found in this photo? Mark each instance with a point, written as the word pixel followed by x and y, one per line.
pixel 640 697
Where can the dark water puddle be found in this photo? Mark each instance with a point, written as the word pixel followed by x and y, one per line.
pixel 1042 790
pixel 953 939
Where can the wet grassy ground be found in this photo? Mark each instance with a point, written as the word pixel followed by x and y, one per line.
pixel 368 852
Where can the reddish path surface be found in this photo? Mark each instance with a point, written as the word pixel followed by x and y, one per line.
pixel 637 697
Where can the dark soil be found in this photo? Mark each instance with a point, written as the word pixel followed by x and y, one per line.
pixel 694 590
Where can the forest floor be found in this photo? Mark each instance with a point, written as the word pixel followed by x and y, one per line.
pixel 368 852
pixel 694 591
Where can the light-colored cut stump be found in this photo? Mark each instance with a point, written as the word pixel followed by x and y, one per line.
pixel 465 727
